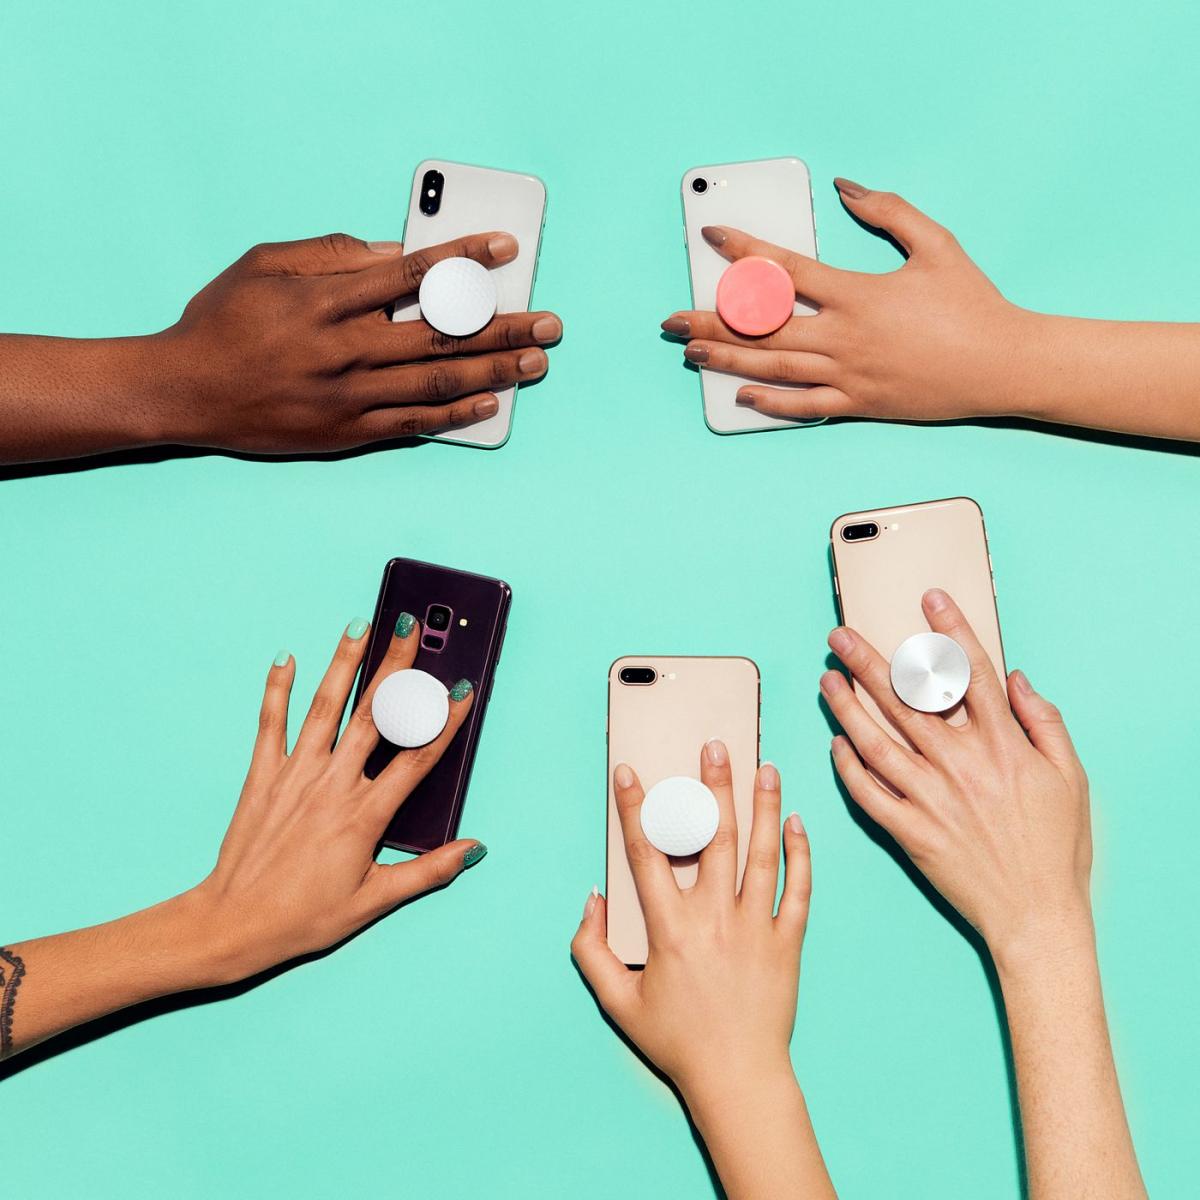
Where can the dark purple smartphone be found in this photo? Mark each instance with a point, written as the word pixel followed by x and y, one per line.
pixel 463 618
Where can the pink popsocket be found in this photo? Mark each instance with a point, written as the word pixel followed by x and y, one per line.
pixel 755 296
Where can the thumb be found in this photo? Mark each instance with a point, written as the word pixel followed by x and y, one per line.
pixel 606 975
pixel 392 884
pixel 916 233
pixel 1042 721
pixel 330 254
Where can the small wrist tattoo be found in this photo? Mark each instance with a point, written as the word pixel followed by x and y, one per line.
pixel 12 971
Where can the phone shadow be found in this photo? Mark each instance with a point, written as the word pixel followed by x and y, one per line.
pixel 951 915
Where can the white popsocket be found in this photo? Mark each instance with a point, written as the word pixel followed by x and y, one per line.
pixel 410 708
pixel 458 296
pixel 679 816
pixel 930 672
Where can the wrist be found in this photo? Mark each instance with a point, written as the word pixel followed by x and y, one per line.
pixel 171 387
pixel 1050 941
pixel 713 1087
pixel 1011 383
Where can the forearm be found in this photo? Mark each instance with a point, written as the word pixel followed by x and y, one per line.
pixel 1077 1140
pixel 52 984
pixel 759 1135
pixel 1126 376
pixel 66 397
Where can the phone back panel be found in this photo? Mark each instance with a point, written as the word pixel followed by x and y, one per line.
pixel 478 200
pixel 429 817
pixel 880 582
pixel 659 729
pixel 770 199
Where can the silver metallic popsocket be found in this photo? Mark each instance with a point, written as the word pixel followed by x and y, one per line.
pixel 679 815
pixel 930 672
pixel 410 708
pixel 458 296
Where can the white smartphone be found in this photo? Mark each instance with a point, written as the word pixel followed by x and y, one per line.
pixel 450 200
pixel 770 199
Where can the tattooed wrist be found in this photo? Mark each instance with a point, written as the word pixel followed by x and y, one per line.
pixel 12 971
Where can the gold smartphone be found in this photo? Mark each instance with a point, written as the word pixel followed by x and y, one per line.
pixel 885 559
pixel 661 711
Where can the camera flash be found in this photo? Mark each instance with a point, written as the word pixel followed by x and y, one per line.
pixel 462 621
pixel 722 183
pixel 671 675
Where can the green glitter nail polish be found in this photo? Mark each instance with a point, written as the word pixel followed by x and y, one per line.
pixel 461 690
pixel 472 856
pixel 405 623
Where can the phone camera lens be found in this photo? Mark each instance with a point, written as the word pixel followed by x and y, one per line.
pixel 699 186
pixel 860 533
pixel 438 617
pixel 637 675
pixel 432 184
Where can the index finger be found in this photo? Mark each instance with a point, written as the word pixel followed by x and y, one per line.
pixel 719 859
pixel 986 700
pixel 811 279
pixel 395 277
pixel 652 875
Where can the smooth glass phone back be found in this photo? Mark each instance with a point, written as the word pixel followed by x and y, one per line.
pixel 770 199
pixel 920 546
pixel 659 730
pixel 479 614
pixel 478 200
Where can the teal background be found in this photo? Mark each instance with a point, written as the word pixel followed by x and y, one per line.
pixel 452 1050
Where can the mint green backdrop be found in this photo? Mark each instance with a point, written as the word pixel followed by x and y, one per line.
pixel 452 1050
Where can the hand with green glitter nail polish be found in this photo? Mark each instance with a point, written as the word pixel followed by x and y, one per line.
pixel 296 873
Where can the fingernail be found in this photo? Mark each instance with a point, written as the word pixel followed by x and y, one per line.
pixel 385 247
pixel 841 642
pixel 696 354
pixel 282 658
pixel 677 325
pixel 489 406
pixel 547 329
pixel 502 246
pixel 357 628
pixel 848 187
pixel 474 854
pixel 462 689
pixel 714 235
pixel 623 776
pixel 590 906
pixel 532 362
pixel 768 777
pixel 749 399
pixel 1018 678
pixel 405 624
pixel 832 681
pixel 716 753
pixel 936 599
pixel 795 824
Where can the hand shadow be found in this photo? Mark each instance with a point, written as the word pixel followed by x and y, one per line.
pixel 888 844
pixel 147 455
pixel 713 1178
pixel 135 1014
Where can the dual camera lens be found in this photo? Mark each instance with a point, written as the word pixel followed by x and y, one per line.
pixel 432 185
pixel 637 675
pixel 862 532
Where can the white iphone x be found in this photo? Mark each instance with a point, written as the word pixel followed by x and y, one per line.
pixel 450 200
pixel 769 199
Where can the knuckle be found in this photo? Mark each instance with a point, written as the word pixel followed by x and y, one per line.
pixel 724 839
pixel 513 336
pixel 269 720
pixel 763 860
pixel 437 384
pixel 444 343
pixel 640 852
pixel 416 265
pixel 322 706
pixel 502 371
pixel 338 243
